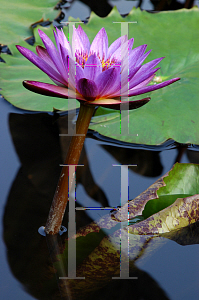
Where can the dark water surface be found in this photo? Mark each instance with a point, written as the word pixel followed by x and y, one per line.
pixel 25 200
pixel 31 151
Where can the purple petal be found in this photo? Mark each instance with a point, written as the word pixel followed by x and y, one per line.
pixel 64 42
pixel 137 79
pixel 150 88
pixel 75 73
pixel 63 48
pixel 63 53
pixel 135 54
pixel 100 45
pixel 41 64
pixel 43 53
pixel 142 58
pixel 141 73
pixel 115 45
pixel 125 81
pixel 108 82
pixel 93 67
pixel 144 83
pixel 53 53
pixel 84 38
pixel 87 88
pixel 78 42
pixel 149 65
pixel 130 44
pixel 126 46
pixel 46 89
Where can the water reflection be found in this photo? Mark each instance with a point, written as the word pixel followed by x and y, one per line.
pixel 38 263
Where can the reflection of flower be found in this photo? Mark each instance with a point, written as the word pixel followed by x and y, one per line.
pixel 94 70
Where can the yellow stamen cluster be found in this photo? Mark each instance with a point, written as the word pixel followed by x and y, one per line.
pixel 81 59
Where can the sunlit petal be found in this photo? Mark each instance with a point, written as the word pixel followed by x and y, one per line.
pixel 100 45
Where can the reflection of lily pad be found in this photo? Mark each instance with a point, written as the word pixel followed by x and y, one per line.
pixel 17 16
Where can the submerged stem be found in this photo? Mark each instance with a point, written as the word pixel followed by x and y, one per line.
pixel 60 199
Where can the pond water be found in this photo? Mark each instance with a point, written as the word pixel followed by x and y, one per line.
pixel 27 189
pixel 31 151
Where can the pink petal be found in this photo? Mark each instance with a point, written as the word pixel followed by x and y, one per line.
pixel 93 67
pixel 100 45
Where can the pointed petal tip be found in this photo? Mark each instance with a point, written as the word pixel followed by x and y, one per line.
pixel 40 31
pixel 20 48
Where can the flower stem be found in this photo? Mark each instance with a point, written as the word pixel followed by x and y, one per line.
pixel 60 199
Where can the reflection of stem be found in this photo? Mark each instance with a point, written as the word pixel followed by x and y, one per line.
pixel 181 150
pixel 61 194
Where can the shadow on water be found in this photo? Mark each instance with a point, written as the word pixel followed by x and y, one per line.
pixel 38 263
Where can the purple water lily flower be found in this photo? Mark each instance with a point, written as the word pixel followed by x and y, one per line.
pixel 95 70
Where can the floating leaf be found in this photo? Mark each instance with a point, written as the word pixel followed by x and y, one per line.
pixel 172 111
pixel 183 212
pixel 181 181
pixel 16 69
pixel 17 16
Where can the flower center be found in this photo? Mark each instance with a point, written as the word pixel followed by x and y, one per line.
pixel 81 59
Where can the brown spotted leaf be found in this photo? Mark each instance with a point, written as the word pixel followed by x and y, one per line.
pixel 183 212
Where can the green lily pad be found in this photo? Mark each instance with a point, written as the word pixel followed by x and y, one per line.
pixel 172 111
pixel 180 183
pixel 17 16
pixel 17 69
pixel 156 205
